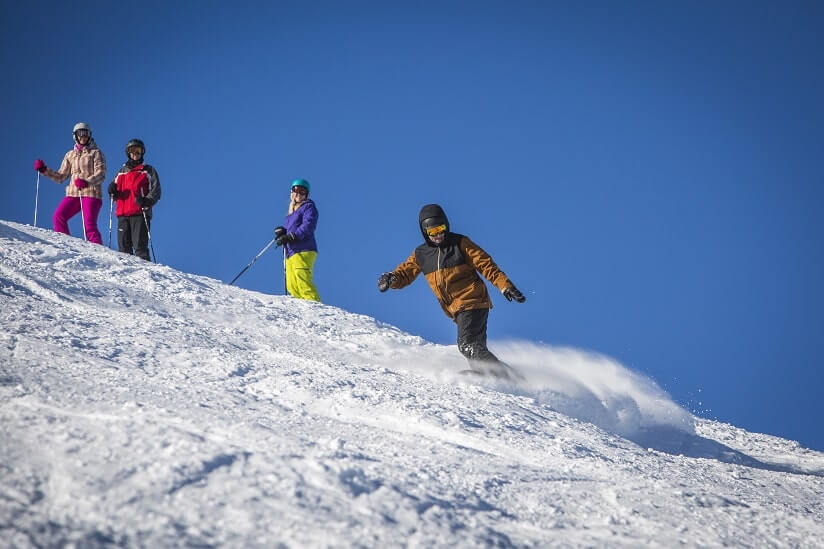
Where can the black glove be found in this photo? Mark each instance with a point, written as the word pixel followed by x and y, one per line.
pixel 514 293
pixel 385 281
pixel 144 202
pixel 284 238
pixel 279 231
pixel 113 189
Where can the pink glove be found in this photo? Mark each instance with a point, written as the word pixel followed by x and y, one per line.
pixel 39 165
pixel 80 183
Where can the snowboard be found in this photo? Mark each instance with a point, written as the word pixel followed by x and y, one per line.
pixel 502 372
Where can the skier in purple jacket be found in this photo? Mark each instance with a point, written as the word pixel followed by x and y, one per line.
pixel 297 236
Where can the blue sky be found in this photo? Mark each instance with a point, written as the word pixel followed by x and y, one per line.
pixel 649 174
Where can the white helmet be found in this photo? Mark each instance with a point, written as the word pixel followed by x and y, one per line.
pixel 80 126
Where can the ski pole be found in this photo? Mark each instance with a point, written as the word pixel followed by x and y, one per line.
pixel 253 260
pixel 285 287
pixel 149 233
pixel 36 196
pixel 82 217
pixel 111 207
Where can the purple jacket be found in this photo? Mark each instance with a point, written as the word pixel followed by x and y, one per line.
pixel 302 223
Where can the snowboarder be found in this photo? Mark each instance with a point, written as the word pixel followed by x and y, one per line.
pixel 451 263
pixel 136 188
pixel 85 166
pixel 297 237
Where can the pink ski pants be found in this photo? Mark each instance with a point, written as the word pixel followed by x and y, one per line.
pixel 70 206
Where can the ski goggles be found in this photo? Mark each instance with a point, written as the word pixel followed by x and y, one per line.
pixel 82 132
pixel 436 230
pixel 299 190
pixel 136 150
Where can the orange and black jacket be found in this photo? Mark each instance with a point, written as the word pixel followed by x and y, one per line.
pixel 451 270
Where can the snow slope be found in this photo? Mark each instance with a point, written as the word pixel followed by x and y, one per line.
pixel 145 407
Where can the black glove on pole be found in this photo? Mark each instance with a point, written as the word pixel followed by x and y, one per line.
pixel 144 202
pixel 284 238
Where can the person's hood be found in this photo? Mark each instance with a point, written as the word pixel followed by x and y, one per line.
pixel 435 212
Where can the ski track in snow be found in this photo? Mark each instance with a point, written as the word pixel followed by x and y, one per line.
pixel 141 406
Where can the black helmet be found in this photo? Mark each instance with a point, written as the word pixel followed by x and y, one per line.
pixel 135 143
pixel 432 215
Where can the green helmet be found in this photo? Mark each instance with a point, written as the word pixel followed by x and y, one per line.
pixel 301 183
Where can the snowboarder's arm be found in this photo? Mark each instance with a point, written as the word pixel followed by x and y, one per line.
pixel 484 264
pixel 405 273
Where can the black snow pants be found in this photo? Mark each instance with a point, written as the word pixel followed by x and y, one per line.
pixel 133 235
pixel 472 345
pixel 472 338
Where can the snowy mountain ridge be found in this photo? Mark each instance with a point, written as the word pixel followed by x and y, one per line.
pixel 142 406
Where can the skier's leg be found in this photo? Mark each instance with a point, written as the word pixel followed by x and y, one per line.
pixel 124 235
pixel 68 208
pixel 299 275
pixel 290 276
pixel 140 236
pixel 91 207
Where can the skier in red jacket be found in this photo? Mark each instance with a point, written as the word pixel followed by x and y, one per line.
pixel 136 187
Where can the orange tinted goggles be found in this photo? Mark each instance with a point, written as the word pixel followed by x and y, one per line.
pixel 435 231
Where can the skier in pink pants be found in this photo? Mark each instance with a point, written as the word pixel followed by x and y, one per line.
pixel 85 167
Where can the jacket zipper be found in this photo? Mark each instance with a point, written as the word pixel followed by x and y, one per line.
pixel 446 297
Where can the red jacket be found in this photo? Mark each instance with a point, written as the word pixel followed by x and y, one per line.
pixel 140 180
